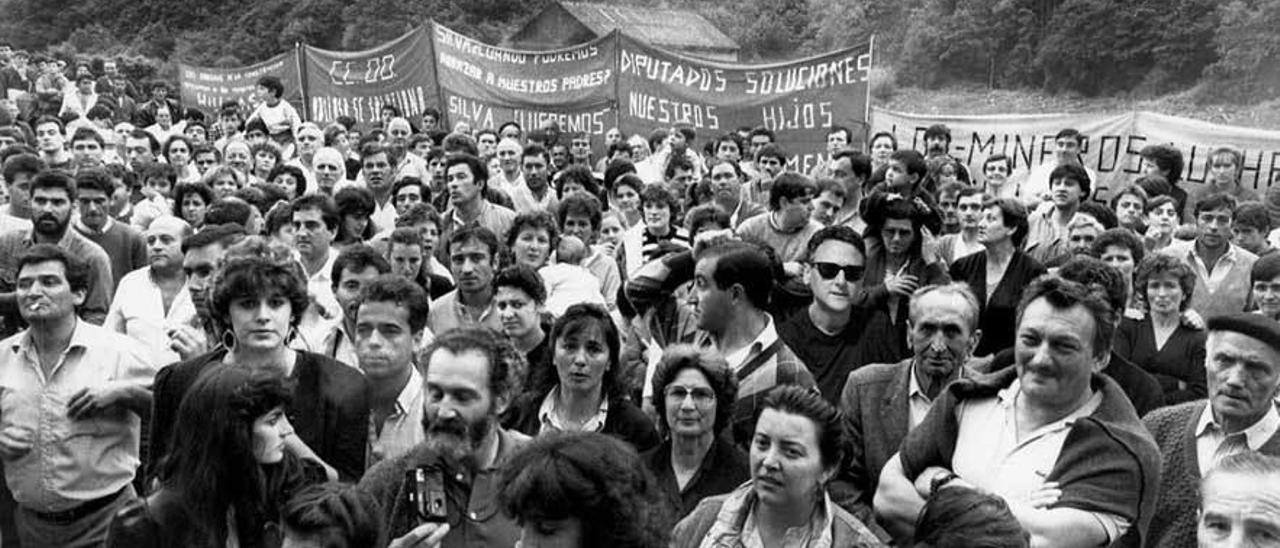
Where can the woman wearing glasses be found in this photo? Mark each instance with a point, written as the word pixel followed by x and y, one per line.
pixel 693 391
pixel 998 275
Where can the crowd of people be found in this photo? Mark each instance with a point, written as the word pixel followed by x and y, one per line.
pixel 268 331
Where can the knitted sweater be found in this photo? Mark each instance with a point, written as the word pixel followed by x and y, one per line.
pixel 1174 523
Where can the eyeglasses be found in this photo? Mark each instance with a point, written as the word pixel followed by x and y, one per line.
pixel 701 396
pixel 828 271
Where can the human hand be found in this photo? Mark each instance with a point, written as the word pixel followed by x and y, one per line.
pixel 1192 319
pixel 1046 496
pixel 1133 313
pixel 92 400
pixel 187 341
pixel 901 284
pixel 427 535
pixel 793 269
pixel 924 481
pixel 15 441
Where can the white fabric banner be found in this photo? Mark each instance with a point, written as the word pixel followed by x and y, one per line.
pixel 1111 146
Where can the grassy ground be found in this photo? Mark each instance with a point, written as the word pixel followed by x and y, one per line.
pixel 976 100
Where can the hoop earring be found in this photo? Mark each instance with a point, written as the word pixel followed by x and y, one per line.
pixel 229 340
pixel 291 335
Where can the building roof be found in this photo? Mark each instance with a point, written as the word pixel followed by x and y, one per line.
pixel 681 29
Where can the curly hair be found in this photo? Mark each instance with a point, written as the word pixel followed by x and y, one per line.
pixel 1158 264
pixel 506 364
pixel 335 515
pixel 595 478
pixel 682 357
pixel 255 268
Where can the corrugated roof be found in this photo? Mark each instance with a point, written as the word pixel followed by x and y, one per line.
pixel 662 27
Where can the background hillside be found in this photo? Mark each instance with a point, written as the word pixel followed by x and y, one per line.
pixel 1202 58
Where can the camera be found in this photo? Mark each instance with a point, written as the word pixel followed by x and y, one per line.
pixel 426 494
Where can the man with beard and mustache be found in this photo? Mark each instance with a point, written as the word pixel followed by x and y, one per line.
pixel 937 147
pixel 52 195
pixel 122 242
pixel 470 376
pixel 882 402
pixel 532 189
pixel 151 302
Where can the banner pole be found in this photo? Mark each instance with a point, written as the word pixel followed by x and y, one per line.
pixel 866 117
pixel 442 121
pixel 302 80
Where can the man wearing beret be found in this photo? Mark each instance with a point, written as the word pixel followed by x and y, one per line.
pixel 1242 364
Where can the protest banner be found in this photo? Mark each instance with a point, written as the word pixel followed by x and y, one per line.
pixel 485 85
pixel 797 100
pixel 359 83
pixel 208 88
pixel 1111 148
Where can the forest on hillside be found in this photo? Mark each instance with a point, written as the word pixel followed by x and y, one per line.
pixel 1221 51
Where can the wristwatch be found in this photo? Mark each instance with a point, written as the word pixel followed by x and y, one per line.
pixel 941 480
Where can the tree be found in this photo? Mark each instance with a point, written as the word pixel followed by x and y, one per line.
pixel 1248 48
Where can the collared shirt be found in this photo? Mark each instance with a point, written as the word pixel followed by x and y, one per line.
pixel 524 200
pixel 815 534
pixel 101 285
pixel 384 215
pixel 1044 235
pixel 767 337
pixel 989 454
pixel 402 429
pixel 339 345
pixel 920 403
pixel 320 285
pixel 550 421
pixel 449 312
pixel 138 311
pixel 71 461
pixel 494 217
pixel 1214 274
pixel 1209 435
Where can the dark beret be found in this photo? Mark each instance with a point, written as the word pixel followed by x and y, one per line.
pixel 1257 326
pixel 1266 268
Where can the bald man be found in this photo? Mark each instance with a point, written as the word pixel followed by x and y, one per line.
pixel 330 169
pixel 509 176
pixel 152 305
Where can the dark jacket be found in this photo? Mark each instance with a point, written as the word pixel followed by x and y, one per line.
pixel 999 303
pixel 625 421
pixel 161 521
pixel 724 468
pixel 1108 463
pixel 329 412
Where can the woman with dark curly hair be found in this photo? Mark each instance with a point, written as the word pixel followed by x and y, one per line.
pixel 289 179
pixel 356 205
pixel 959 516
pixel 533 235
pixel 256 300
pixel 583 391
pixel 191 201
pixel 584 490
pixel 798 446
pixel 332 515
pixel 693 393
pixel 1161 343
pixel 228 472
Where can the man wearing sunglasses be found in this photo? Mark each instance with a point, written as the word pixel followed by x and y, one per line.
pixel 832 335
pixel 882 402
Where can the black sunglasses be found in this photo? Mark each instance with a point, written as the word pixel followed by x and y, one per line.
pixel 828 271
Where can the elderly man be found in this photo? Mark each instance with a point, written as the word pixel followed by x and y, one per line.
pixel 882 402
pixel 1241 502
pixel 153 303
pixel 71 398
pixel 1242 367
pixel 1052 436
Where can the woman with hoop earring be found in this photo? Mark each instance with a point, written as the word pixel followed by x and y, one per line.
pixel 256 300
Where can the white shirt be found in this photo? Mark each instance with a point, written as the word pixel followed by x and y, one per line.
pixel 320 285
pixel 550 420
pixel 1036 185
pixel 138 311
pixel 402 429
pixel 1209 435
pixel 767 337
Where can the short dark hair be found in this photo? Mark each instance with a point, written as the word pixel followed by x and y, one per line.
pixel 1075 173
pixel 78 272
pixel 1100 212
pixel 1062 293
pixel 403 182
pixel 181 191
pixel 390 288
pixel 273 84
pixel 419 213
pixel 1218 200
pixel 789 185
pixel 336 515
pixel 358 258
pixel 55 179
pixel 840 233
pixel 1160 264
pixel 536 220
pixel 680 357
pixel 98 179
pixel 1091 271
pixel 772 150
pixel 1130 190
pixel 87 134
pixel 327 207
pixel 1254 215
pixel 224 234
pixel 705 214
pixel 580 204
pixel 279 216
pixel 1070 133
pixel 938 130
pixel 228 210
pixel 859 162
pixel 1167 158
pixel 580 174
pixel 299 179
pixel 745 264
pixel 1013 215
pixel 1119 237
pixel 479 234
pixel 152 142
pixel 255 268
pixel 912 160
pixel 524 278
pixel 575 320
pixel 827 420
pixel 479 170
pixel 506 364
pixel 22 163
pixel 657 194
pixel 677 163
